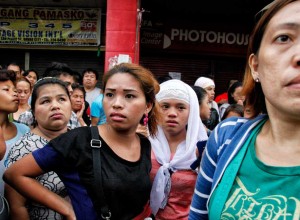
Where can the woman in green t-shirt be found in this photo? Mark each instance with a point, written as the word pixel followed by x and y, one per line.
pixel 251 168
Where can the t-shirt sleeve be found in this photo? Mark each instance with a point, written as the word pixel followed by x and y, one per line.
pixel 95 109
pixel 19 150
pixel 48 158
pixel 74 146
pixel 23 128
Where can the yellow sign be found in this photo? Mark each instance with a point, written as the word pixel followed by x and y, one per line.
pixel 50 26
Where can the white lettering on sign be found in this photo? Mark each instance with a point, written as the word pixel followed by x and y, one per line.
pixel 203 36
pixel 151 38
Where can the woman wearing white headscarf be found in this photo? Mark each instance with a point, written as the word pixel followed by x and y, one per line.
pixel 209 86
pixel 174 150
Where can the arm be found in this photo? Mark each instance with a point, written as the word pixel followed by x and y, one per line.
pixel 95 114
pixel 198 208
pixel 2 144
pixel 79 115
pixel 94 121
pixel 96 109
pixel 21 175
pixel 17 204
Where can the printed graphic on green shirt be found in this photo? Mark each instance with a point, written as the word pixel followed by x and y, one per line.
pixel 245 204
pixel 263 192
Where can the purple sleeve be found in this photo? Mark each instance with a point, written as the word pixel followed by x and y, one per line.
pixel 48 158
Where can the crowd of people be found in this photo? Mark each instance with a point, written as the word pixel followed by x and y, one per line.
pixel 142 147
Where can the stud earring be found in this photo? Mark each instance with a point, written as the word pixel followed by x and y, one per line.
pixel 257 80
pixel 146 119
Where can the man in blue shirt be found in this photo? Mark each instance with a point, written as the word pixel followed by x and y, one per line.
pixel 97 112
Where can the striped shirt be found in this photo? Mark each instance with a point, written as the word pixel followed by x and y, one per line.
pixel 222 146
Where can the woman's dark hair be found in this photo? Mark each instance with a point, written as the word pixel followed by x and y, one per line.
pixel 6 75
pixel 57 69
pixel 77 77
pixel 162 79
pixel 31 70
pixel 42 82
pixel 149 86
pixel 231 90
pixel 239 109
pixel 253 92
pixel 200 92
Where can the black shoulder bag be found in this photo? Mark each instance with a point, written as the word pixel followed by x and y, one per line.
pixel 100 203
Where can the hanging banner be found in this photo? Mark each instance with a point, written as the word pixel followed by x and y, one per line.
pixel 50 26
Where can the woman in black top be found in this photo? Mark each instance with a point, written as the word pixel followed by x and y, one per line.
pixel 129 97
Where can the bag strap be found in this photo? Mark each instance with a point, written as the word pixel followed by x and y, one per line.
pixel 100 202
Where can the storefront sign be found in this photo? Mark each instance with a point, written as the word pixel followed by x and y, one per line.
pixel 49 26
pixel 212 40
pixel 204 36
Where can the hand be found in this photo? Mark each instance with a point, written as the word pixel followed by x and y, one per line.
pixel 80 113
pixel 70 217
pixel 71 214
pixel 240 102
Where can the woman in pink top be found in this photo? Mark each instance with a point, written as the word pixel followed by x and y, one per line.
pixel 174 150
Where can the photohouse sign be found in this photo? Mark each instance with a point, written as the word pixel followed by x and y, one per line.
pixel 196 40
pixel 50 26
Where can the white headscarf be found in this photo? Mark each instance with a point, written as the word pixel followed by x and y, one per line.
pixel 185 154
pixel 204 82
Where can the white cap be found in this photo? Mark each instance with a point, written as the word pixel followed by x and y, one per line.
pixel 204 82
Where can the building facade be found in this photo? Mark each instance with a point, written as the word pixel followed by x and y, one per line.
pixel 170 37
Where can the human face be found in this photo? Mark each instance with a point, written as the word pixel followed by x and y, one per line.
pixel 175 115
pixel 77 100
pixel 32 77
pixel 69 80
pixel 237 95
pixel 205 109
pixel 211 93
pixel 248 113
pixel 124 102
pixel 89 80
pixel 277 65
pixel 52 107
pixel 16 69
pixel 9 97
pixel 24 92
